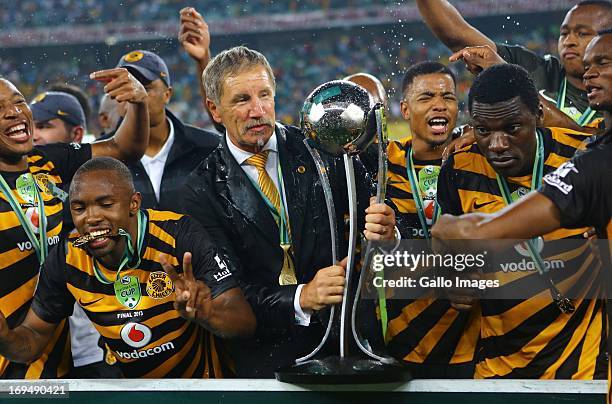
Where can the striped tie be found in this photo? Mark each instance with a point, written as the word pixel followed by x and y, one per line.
pixel 266 185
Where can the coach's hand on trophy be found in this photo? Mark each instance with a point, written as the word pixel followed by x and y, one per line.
pixel 120 85
pixel 477 58
pixel 194 36
pixel 326 288
pixel 379 222
pixel 192 297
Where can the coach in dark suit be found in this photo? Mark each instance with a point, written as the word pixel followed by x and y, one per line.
pixel 258 182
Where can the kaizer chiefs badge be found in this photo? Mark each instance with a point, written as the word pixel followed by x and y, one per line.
pixel 133 57
pixel 159 285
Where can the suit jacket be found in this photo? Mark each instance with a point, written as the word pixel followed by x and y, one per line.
pixel 220 195
pixel 191 145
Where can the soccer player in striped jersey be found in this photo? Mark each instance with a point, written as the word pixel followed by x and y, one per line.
pixel 120 271
pixel 32 183
pixel 538 337
pixel 431 337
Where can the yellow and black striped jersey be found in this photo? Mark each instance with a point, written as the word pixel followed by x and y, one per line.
pixel 426 330
pixel 136 315
pixel 532 338
pixel 52 167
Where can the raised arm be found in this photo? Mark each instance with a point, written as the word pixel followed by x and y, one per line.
pixel 450 27
pixel 194 37
pixel 132 137
pixel 26 342
pixel 536 209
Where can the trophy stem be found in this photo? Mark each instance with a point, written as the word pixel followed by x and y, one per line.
pixel 331 213
pixel 346 304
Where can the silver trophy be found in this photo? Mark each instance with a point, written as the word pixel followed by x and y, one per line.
pixel 338 118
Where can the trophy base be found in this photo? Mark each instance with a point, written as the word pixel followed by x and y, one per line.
pixel 348 370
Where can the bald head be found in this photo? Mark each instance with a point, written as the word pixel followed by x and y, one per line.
pixel 104 167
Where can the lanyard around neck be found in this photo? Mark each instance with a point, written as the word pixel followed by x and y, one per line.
pixel 39 244
pixel 130 258
pixel 281 218
pixel 536 180
pixel 563 303
pixel 586 116
pixel 416 194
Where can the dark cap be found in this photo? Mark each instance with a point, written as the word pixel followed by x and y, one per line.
pixel 150 66
pixel 55 104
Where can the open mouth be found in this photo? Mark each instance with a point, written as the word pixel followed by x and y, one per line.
pixel 438 126
pixel 18 132
pixel 95 239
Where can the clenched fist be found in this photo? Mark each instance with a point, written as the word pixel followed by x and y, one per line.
pixel 326 288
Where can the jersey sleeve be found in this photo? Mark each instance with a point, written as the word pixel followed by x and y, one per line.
pixel 52 300
pixel 67 157
pixel 209 263
pixel 546 71
pixel 448 195
pixel 573 189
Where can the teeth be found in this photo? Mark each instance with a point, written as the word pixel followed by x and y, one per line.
pixel 16 128
pixel 438 121
pixel 98 233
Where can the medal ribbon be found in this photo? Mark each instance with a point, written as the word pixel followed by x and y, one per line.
pixel 40 244
pixel 562 302
pixel 416 194
pixel 586 116
pixel 131 258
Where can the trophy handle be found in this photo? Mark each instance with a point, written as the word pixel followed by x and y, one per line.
pixel 331 213
pixel 349 169
pixel 381 188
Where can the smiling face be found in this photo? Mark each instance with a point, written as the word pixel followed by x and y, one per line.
pixel 101 202
pixel 505 134
pixel 430 106
pixel 16 123
pixel 598 73
pixel 246 108
pixel 580 25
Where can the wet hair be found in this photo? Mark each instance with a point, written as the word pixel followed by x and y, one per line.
pixel 79 94
pixel 501 83
pixel 228 62
pixel 423 68
pixel 104 164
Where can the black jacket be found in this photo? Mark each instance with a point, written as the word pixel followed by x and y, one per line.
pixel 191 145
pixel 220 195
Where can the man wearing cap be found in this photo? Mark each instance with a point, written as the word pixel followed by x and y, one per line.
pixel 175 149
pixel 58 118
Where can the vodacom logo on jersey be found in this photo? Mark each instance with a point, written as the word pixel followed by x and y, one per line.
pixel 136 335
pixel 139 335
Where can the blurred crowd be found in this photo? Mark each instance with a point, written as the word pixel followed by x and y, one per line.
pixel 28 13
pixel 300 64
